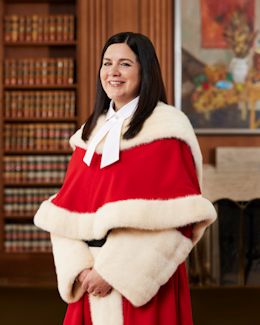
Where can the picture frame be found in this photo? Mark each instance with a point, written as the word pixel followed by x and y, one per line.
pixel 210 88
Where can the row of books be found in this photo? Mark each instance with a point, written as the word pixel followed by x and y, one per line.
pixel 38 28
pixel 44 71
pixel 25 201
pixel 30 104
pixel 38 168
pixel 22 238
pixel 38 136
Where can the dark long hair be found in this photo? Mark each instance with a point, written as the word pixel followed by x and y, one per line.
pixel 152 88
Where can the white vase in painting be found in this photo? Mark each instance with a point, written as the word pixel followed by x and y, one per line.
pixel 239 68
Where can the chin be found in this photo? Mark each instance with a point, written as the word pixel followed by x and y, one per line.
pixel 116 98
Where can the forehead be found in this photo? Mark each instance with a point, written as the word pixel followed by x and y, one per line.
pixel 119 51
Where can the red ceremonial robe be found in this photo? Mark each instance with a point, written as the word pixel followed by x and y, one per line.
pixel 147 202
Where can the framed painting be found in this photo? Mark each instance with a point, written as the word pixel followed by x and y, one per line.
pixel 220 54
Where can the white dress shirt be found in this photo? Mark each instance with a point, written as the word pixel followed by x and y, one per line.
pixel 112 130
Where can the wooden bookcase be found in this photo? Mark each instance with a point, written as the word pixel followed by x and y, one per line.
pixel 95 22
pixel 35 268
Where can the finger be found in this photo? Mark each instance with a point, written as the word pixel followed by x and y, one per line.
pixel 102 293
pixel 91 289
pixel 108 291
pixel 83 274
pixel 85 285
pixel 96 290
pixel 105 292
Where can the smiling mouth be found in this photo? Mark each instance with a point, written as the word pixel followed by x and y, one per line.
pixel 116 83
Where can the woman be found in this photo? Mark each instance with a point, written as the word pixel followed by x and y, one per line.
pixel 130 209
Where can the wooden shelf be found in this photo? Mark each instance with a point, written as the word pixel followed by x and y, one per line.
pixel 19 216
pixel 41 43
pixel 32 184
pixel 41 1
pixel 29 87
pixel 39 119
pixel 38 152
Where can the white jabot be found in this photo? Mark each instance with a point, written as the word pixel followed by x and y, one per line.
pixel 112 127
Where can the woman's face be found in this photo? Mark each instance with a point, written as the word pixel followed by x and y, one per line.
pixel 120 74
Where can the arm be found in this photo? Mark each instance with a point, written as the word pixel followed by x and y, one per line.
pixel 71 256
pixel 137 263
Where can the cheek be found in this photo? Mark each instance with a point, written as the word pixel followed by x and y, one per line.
pixel 102 76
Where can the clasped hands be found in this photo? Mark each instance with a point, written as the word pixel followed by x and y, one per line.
pixel 93 283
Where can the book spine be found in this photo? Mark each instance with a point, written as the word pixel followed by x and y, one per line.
pixel 22 29
pixel 28 28
pixel 21 238
pixel 7 28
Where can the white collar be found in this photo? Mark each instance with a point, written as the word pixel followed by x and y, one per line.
pixel 125 111
pixel 112 130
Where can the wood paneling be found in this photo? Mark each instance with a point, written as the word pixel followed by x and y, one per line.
pixel 208 144
pixel 156 17
pixel 92 33
pixel 123 16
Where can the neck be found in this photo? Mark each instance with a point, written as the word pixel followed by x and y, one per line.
pixel 117 106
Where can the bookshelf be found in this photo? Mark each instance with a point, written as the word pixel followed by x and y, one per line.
pixel 39 110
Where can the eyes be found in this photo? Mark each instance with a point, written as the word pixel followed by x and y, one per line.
pixel 122 64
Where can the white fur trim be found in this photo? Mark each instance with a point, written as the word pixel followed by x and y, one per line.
pixel 137 263
pixel 71 257
pixel 140 214
pixel 106 310
pixel 75 139
pixel 165 122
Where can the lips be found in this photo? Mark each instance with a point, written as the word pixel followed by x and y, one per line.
pixel 115 83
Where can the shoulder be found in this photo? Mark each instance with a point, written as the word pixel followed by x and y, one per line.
pixel 163 150
pixel 165 111
pixel 167 122
pixel 76 140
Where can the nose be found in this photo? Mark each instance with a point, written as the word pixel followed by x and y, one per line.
pixel 114 71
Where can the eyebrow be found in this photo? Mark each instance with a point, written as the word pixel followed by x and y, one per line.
pixel 122 59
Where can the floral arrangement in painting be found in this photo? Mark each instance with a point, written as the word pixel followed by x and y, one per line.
pixel 239 34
